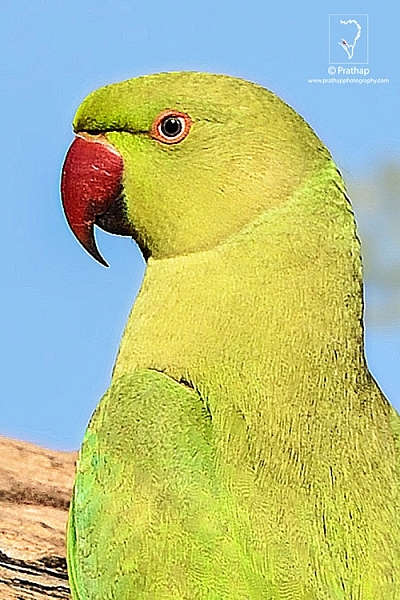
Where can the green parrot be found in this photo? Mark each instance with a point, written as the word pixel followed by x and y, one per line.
pixel 243 450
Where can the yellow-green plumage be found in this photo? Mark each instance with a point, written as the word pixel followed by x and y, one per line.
pixel 243 450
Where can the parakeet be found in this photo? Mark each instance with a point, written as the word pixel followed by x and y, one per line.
pixel 243 450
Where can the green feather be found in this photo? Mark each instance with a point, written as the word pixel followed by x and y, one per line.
pixel 243 451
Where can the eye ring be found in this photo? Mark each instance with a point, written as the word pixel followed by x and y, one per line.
pixel 171 127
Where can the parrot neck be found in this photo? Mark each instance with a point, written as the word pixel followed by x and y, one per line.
pixel 283 295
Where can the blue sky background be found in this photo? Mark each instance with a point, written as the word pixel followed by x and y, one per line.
pixel 62 314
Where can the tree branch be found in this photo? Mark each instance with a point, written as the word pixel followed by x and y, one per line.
pixel 35 489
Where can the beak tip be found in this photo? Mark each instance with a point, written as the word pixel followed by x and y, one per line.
pixel 91 248
pixel 101 260
pixel 105 264
pixel 86 238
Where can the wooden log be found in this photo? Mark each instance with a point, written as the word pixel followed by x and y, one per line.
pixel 35 490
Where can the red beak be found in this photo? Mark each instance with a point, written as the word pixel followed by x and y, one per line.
pixel 90 183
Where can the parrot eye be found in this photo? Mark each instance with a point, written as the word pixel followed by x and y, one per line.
pixel 171 127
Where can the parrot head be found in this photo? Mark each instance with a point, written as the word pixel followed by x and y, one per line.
pixel 182 161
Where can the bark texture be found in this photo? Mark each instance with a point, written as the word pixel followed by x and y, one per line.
pixel 35 489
